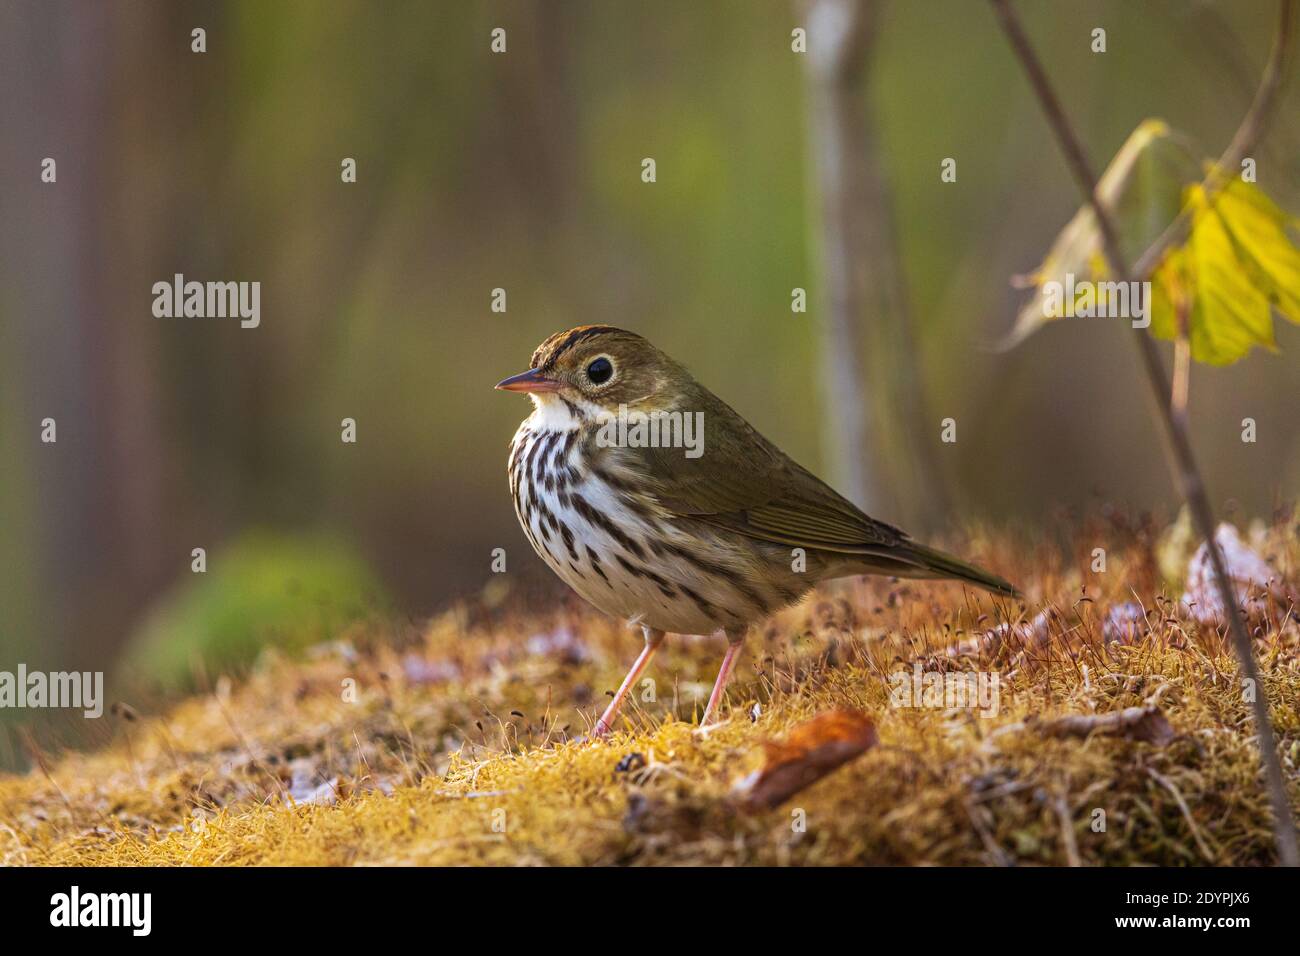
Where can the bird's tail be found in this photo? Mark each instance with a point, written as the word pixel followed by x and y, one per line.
pixel 935 563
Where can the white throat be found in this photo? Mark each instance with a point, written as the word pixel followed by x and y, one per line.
pixel 552 413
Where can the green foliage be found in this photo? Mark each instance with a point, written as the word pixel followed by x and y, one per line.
pixel 1217 287
pixel 262 590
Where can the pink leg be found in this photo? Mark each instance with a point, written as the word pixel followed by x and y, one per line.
pixel 724 672
pixel 653 639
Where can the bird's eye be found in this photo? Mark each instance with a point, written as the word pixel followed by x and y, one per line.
pixel 600 371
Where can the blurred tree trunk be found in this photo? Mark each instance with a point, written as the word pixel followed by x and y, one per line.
pixel 81 358
pixel 875 424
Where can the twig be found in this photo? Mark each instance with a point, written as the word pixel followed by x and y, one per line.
pixel 1182 359
pixel 1187 813
pixel 979 818
pixel 1071 844
pixel 1182 459
pixel 1139 723
pixel 473 794
pixel 1247 135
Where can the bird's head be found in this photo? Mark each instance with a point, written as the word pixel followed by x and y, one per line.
pixel 597 368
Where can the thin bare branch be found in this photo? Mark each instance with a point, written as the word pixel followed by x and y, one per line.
pixel 1183 465
pixel 1243 144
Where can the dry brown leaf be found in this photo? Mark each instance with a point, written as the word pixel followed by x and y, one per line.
pixel 810 751
pixel 1136 723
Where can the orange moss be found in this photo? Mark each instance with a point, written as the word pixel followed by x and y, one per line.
pixel 459 750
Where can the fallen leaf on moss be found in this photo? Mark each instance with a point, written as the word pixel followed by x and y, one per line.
pixel 810 751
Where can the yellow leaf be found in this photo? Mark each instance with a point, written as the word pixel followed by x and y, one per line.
pixel 1235 266
pixel 1258 228
pixel 1227 289
pixel 1141 189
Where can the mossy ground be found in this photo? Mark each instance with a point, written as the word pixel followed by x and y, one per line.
pixel 458 746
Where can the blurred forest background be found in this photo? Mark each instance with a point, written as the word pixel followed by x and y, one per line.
pixel 522 171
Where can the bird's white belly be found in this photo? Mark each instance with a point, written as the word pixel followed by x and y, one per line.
pixel 623 559
pixel 629 593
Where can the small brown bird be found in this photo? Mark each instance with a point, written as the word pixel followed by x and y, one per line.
pixel 658 503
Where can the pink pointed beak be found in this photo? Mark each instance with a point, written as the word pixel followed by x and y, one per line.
pixel 530 381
